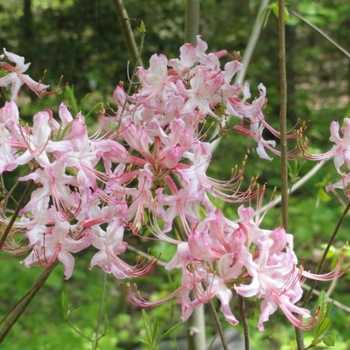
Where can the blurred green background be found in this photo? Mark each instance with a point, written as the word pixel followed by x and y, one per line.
pixel 82 41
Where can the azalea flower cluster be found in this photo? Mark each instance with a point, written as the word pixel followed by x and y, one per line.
pixel 222 257
pixel 146 168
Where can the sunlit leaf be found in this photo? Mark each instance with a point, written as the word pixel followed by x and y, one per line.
pixel 147 324
pixel 329 340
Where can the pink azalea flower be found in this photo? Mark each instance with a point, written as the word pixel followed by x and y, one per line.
pixel 16 77
pixel 55 184
pixel 181 203
pixel 110 244
pixel 340 151
pixel 196 173
pixel 64 114
pixel 58 244
pixel 37 141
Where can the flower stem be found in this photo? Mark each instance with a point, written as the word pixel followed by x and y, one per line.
pixel 283 114
pixel 339 47
pixel 244 322
pixel 218 325
pixel 283 131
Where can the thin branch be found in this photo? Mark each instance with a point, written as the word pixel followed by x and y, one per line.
pixel 283 132
pixel 218 325
pixel 244 322
pixel 128 34
pixel 15 313
pixel 339 47
pixel 283 113
pixel 76 330
pixel 330 300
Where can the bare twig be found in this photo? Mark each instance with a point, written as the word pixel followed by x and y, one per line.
pixel 218 325
pixel 330 300
pixel 339 47
pixel 124 22
pixel 15 312
pixel 283 114
pixel 283 133
pixel 244 322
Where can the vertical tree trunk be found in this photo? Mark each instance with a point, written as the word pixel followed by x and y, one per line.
pixel 196 330
pixel 191 21
pixel 196 323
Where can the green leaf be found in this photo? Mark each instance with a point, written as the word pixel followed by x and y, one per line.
pixel 67 312
pixel 169 331
pixel 286 14
pixel 155 331
pixel 142 28
pixel 323 319
pixel 97 106
pixel 65 306
pixel 315 342
pixel 264 15
pixel 143 341
pixel 3 72
pixel 323 195
pixel 71 98
pixel 274 8
pixel 322 301
pixel 322 328
pixel 62 132
pixel 147 324
pixel 82 103
pixel 329 340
